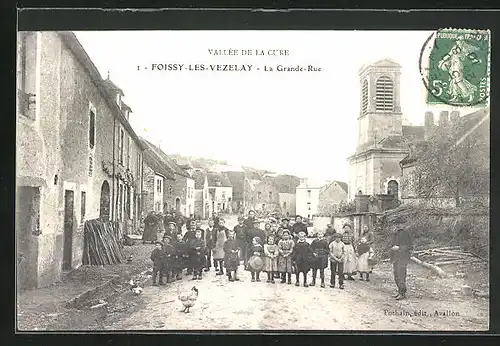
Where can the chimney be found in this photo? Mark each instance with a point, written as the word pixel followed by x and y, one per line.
pixel 428 123
pixel 454 116
pixel 443 118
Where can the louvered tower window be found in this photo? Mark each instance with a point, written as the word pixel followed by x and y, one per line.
pixel 384 94
pixel 364 97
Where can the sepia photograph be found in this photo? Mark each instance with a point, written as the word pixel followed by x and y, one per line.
pixel 253 180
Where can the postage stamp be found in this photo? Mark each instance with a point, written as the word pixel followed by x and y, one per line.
pixel 454 65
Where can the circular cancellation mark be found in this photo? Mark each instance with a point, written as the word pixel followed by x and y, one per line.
pixel 454 65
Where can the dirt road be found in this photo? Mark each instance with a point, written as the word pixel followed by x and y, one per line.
pixel 432 305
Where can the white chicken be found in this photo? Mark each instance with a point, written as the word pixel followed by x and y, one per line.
pixel 188 299
pixel 136 289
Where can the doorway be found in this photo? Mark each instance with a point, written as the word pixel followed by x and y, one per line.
pixel 27 224
pixel 69 201
pixel 104 204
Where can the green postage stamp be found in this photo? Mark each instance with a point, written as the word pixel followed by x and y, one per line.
pixel 455 66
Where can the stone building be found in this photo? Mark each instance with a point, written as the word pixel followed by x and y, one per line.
pixel 157 178
pixel 265 196
pixel 474 126
pixel 221 190
pixel 237 179
pixel 178 193
pixel 331 195
pixel 77 156
pixel 383 140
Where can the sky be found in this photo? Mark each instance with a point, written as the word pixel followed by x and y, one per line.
pixel 289 122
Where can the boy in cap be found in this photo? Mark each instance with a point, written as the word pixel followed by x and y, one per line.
pixel 170 254
pixel 158 257
pixel 337 255
pixel 197 255
pixel 320 250
pixel 181 256
pixel 231 260
pixel 210 235
pixel 189 236
pixel 302 257
pixel 171 231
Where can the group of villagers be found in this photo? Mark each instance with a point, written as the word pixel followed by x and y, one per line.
pixel 279 250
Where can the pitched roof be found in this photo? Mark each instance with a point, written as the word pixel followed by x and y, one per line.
pixel 341 184
pixel 112 86
pixel 199 180
pixel 413 131
pixel 70 40
pixel 286 183
pixel 165 159
pixel 156 165
pixel 386 62
pixel 214 178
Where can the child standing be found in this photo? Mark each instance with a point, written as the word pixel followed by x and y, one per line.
pixel 218 250
pixel 197 255
pixel 255 250
pixel 231 259
pixel 302 257
pixel 181 257
pixel 285 249
pixel 169 259
pixel 337 256
pixel 270 258
pixel 158 257
pixel 365 254
pixel 320 249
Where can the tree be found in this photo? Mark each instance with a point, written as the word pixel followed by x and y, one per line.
pixel 453 162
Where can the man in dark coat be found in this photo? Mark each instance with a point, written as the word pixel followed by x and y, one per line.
pixel 215 217
pixel 330 231
pixel 179 220
pixel 255 231
pixel 240 231
pixel 249 221
pixel 189 236
pixel 400 254
pixel 298 227
pixel 209 242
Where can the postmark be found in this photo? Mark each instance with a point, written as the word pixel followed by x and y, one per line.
pixel 454 65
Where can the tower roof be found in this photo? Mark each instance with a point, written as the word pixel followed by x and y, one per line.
pixel 385 62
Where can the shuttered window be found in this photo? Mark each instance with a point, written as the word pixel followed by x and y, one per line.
pixel 384 94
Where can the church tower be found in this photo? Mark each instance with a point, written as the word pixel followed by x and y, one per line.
pixel 380 111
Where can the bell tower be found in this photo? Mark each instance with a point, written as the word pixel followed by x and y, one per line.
pixel 380 111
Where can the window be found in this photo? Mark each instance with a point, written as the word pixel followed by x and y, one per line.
pixel 384 94
pixel 92 127
pixel 392 188
pixel 91 164
pixel 309 193
pixel 119 100
pixel 83 202
pixel 129 152
pixel 121 141
pixel 364 97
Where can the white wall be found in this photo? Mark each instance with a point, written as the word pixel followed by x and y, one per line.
pixel 303 198
pixel 190 196
pixel 158 194
pixel 221 191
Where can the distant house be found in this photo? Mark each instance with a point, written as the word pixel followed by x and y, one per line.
pixel 178 194
pixel 202 199
pixel 307 198
pixel 222 191
pixel 157 178
pixel 237 179
pixel 265 196
pixel 287 185
pixel 332 194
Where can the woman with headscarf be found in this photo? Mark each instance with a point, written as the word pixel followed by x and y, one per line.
pixel 150 228
pixel 350 260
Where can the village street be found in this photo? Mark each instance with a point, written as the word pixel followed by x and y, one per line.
pixel 263 306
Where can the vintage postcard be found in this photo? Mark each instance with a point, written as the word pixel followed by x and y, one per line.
pixel 253 180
